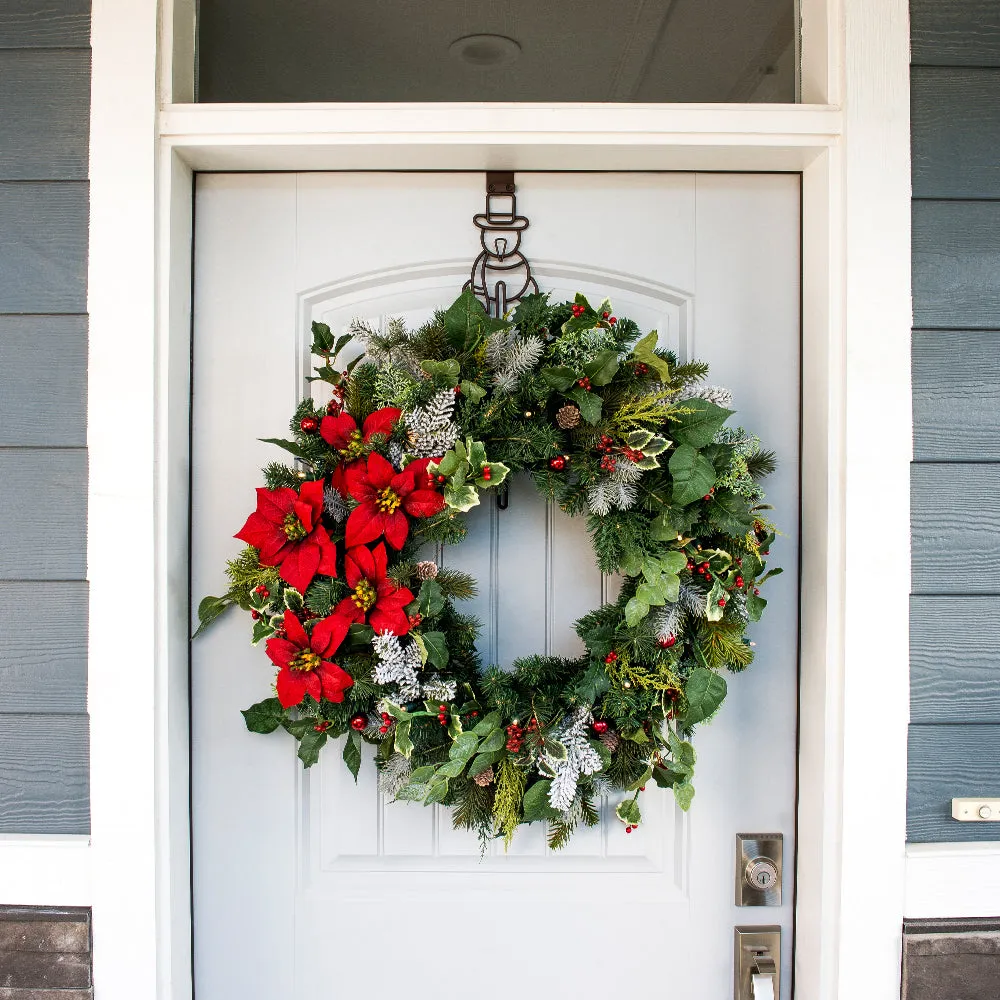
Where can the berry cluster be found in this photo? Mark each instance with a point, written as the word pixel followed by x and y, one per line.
pixel 386 723
pixel 443 714
pixel 578 310
pixel 515 737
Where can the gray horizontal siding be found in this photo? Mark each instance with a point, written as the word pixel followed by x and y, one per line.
pixel 955 659
pixel 44 364
pixel 43 247
pixel 950 761
pixel 955 32
pixel 956 395
pixel 956 264
pixel 43 658
pixel 956 132
pixel 50 24
pixel 44 113
pixel 43 774
pixel 43 496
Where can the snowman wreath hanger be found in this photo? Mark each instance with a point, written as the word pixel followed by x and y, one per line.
pixel 365 629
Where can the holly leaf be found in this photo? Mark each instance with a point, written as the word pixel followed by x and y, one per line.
pixel 603 368
pixel 693 474
pixel 699 427
pixel 264 717
pixel 472 391
pixel 684 794
pixel 261 630
pixel 437 648
pixel 559 377
pixel 352 753
pixel 430 601
pixel 310 745
pixel 461 498
pixel 704 692
pixel 728 512
pixel 536 803
pixel 635 611
pixel 713 610
pixel 645 353
pixel 628 812
pixel 589 402
pixel 403 743
pixel 498 473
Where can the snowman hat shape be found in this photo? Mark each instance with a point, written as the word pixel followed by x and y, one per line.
pixel 501 214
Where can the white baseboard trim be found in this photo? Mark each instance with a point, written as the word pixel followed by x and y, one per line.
pixel 44 870
pixel 953 880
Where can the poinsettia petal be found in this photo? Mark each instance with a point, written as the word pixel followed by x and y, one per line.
pixel 360 556
pixel 311 493
pixel 335 681
pixel 294 630
pixel 327 552
pixel 281 651
pixel 356 480
pixel 257 531
pixel 380 560
pixel 364 524
pixel 390 619
pixel 380 471
pixel 402 484
pixel 275 504
pixel 337 431
pixel 348 611
pixel 339 482
pixel 314 686
pixel 381 421
pixel 304 512
pixel 300 564
pixel 397 527
pixel 424 503
pixel 328 634
pixel 291 687
pixel 274 551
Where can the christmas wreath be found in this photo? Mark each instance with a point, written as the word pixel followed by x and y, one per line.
pixel 364 629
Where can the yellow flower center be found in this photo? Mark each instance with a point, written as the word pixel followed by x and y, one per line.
pixel 364 595
pixel 293 528
pixel 387 501
pixel 355 446
pixel 306 660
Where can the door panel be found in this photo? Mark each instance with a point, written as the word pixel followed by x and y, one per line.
pixel 296 873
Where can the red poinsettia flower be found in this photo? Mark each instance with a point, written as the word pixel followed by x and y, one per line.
pixel 385 497
pixel 374 595
pixel 341 432
pixel 304 661
pixel 287 530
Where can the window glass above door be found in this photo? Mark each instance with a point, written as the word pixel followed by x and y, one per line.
pixel 645 51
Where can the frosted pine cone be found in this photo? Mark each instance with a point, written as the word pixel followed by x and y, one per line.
pixel 484 778
pixel 568 417
pixel 427 569
pixel 611 740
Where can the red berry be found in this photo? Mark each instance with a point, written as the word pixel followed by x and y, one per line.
pixel 322 726
pixel 333 407
pixel 442 708
pixel 628 829
pixel 739 581
pixel 756 592
pixel 383 729
pixel 487 474
pixel 475 715
pixel 255 615
pixel 442 479
pixel 739 562
pixel 558 463
pixel 457 390
pixel 766 552
pixel 604 315
pixel 613 320
pixel 611 657
pixel 309 425
pixel 359 722
pixel 707 496
pixel 600 727
pixel 643 788
pixel 668 640
pixel 690 566
pixel 722 602
pixel 708 576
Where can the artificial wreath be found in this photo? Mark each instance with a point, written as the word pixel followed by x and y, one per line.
pixel 364 628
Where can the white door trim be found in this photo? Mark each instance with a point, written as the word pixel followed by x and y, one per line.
pixel 854 157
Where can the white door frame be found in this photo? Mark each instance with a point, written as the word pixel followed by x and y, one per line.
pixel 852 148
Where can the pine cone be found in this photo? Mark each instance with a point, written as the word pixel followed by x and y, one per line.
pixel 568 417
pixel 427 569
pixel 484 778
pixel 611 740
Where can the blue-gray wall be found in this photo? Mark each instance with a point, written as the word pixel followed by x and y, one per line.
pixel 955 607
pixel 44 110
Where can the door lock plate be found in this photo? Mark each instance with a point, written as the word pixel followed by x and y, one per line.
pixel 756 949
pixel 976 810
pixel 758 869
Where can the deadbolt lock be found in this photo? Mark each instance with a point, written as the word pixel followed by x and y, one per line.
pixel 758 869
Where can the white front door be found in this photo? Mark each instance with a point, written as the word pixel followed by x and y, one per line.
pixel 307 884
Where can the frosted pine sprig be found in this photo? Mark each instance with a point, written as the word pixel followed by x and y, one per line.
pixel 393 774
pixel 717 394
pixel 436 688
pixel 334 504
pixel 397 664
pixel 431 429
pixel 520 356
pixel 581 758
pixel 668 621
pixel 615 490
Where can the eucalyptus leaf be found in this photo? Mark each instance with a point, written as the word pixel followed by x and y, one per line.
pixel 536 804
pixel 704 692
pixel 472 391
pixel 635 611
pixel 693 474
pixel 493 741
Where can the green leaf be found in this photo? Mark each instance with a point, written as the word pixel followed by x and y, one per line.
pixel 437 792
pixel 290 446
pixel 632 563
pixel 647 593
pixel 673 561
pixel 486 725
pixel 310 746
pixel 693 474
pixel 628 812
pixel 298 727
pixel 413 792
pixel 589 402
pixel 640 782
pixel 261 630
pixel 466 322
pixel 684 794
pixel 352 753
pixel 559 377
pixel 755 607
pixel 645 352
pixel 704 692
pixel 637 735
pixel 430 599
pixel 635 611
pixel 671 584
pixel 536 804
pixel 448 465
pixel 665 777
pixel 454 767
pixel 265 716
pixel 418 641
pixel 492 741
pixel 422 775
pixel 602 751
pixel 713 610
pixel 661 528
pixel 472 391
pixel 498 473
pixel 209 609
pixel 699 427
pixel 360 635
pixel 437 648
pixel 483 761
pixel 403 743
pixel 603 368
pixel 476 454
pixel 293 600
pixel 464 746
pixel 656 445
pixel 461 498
pixel 729 513
pixel 444 373
pixel 322 338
